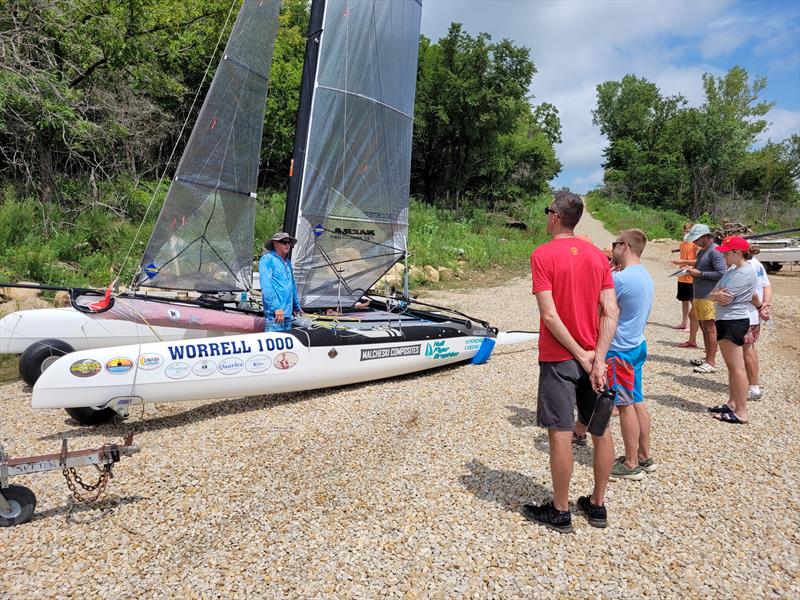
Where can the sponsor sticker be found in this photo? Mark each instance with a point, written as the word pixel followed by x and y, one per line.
pixel 119 365
pixel 472 344
pixel 232 365
pixel 173 314
pixel 177 370
pixel 285 360
pixel 148 362
pixel 439 350
pixel 258 363
pixel 86 367
pixel 390 352
pixel 204 368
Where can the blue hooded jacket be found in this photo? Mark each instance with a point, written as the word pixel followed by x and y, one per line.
pixel 278 288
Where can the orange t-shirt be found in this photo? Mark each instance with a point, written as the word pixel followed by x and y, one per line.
pixel 688 252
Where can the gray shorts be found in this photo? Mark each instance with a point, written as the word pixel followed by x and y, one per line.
pixel 563 386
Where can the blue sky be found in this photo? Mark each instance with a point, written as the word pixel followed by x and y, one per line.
pixel 576 44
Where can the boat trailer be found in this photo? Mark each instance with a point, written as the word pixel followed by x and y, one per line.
pixel 17 502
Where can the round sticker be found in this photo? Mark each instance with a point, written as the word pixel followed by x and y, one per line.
pixel 148 362
pixel 119 365
pixel 173 314
pixel 86 367
pixel 177 370
pixel 232 365
pixel 204 368
pixel 285 360
pixel 257 363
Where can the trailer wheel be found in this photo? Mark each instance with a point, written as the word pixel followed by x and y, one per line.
pixel 22 502
pixel 91 416
pixel 40 355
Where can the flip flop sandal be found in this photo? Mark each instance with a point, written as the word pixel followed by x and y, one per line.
pixel 722 408
pixel 730 417
pixel 696 361
pixel 705 368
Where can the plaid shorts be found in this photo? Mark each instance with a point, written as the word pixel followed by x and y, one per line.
pixel 751 337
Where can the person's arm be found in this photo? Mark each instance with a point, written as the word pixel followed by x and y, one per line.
pixel 718 262
pixel 685 262
pixel 609 316
pixel 554 324
pixel 765 310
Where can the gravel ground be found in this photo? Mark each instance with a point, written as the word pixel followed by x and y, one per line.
pixel 411 487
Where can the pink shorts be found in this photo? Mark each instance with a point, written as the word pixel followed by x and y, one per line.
pixel 751 337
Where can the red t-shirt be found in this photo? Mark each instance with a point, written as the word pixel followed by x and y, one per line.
pixel 575 272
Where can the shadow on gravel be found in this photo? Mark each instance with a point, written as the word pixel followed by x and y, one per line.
pixel 665 326
pixel 509 489
pixel 681 362
pixel 671 344
pixel 696 381
pixel 100 509
pixel 522 417
pixel 672 401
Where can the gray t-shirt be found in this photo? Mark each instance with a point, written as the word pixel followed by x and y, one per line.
pixel 741 282
pixel 711 265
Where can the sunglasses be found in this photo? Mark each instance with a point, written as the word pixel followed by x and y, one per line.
pixel 548 210
pixel 615 244
pixel 284 242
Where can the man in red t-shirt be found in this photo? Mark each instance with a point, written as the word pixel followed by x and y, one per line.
pixel 578 309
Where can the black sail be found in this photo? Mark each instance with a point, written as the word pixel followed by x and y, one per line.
pixel 203 239
pixel 352 221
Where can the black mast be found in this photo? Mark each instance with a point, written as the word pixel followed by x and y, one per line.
pixel 303 116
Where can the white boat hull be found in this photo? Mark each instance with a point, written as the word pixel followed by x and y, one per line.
pixel 22 328
pixel 235 366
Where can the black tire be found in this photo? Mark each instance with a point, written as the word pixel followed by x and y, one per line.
pixel 40 355
pixel 775 267
pixel 23 503
pixel 91 416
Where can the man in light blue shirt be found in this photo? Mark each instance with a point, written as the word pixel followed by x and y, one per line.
pixel 278 288
pixel 628 352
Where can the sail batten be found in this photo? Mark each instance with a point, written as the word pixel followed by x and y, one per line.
pixel 203 238
pixel 354 192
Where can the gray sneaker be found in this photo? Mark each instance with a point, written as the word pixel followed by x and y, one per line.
pixel 647 465
pixel 754 395
pixel 621 471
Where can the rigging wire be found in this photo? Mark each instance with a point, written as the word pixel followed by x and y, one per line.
pixel 177 142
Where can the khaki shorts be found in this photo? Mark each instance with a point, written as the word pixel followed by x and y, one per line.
pixel 703 309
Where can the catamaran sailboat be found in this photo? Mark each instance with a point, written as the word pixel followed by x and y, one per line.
pixel 348 207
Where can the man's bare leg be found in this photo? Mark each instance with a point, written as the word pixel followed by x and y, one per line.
pixel 561 466
pixel 709 330
pixel 643 416
pixel 694 325
pixel 602 463
pixel 629 424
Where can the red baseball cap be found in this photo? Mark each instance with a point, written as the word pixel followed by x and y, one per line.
pixel 734 242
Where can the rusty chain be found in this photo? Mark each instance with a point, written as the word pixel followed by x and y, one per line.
pixel 72 477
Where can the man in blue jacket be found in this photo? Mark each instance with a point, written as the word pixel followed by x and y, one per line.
pixel 278 288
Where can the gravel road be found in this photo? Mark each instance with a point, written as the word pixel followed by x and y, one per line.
pixel 411 487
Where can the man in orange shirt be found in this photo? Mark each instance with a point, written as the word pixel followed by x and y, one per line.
pixel 688 256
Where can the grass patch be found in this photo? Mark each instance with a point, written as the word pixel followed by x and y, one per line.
pixel 87 246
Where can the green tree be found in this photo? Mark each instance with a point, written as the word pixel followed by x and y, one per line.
pixel 474 127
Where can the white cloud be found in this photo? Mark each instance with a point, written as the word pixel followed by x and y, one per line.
pixel 579 44
pixel 782 124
